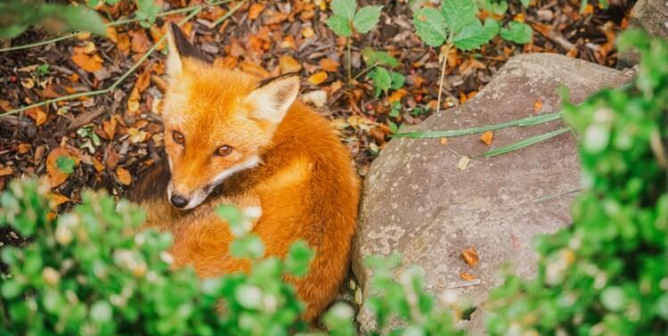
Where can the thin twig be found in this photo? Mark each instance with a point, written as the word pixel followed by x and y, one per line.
pixel 349 61
pixel 229 13
pixel 365 71
pixel 123 77
pixel 440 84
pixel 113 23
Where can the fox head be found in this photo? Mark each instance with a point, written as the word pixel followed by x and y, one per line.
pixel 217 121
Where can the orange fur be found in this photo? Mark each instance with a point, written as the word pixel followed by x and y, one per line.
pixel 305 185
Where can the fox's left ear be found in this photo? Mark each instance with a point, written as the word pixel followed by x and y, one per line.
pixel 272 99
pixel 179 50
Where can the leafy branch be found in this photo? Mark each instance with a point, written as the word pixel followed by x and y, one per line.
pixel 348 20
pixel 455 25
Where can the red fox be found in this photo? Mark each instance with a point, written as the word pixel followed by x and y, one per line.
pixel 233 138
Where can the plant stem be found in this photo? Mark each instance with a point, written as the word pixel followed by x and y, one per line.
pixel 349 61
pixel 194 12
pixel 440 83
pixel 365 70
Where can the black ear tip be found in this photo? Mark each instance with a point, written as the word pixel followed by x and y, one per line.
pixel 174 28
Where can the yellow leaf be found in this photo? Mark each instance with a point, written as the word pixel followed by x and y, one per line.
pixel 86 62
pixel 123 176
pixel 318 78
pixel 487 138
pixel 38 115
pixel 288 64
pixel 470 255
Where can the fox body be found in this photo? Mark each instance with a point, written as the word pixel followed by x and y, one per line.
pixel 231 138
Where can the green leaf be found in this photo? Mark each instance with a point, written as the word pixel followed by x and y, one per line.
pixel 299 257
pixel 65 164
pixel 398 80
pixel 430 26
pixel 382 80
pixel 459 14
pixel 475 35
pixel 525 143
pixel 496 7
pixel 525 3
pixel 529 121
pixel 249 246
pixel 517 32
pixel 81 18
pixel 382 58
pixel 366 18
pixel 344 8
pixel 340 25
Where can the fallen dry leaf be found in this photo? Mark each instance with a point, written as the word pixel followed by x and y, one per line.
pixel 443 141
pixel 255 11
pixel 470 255
pixel 288 64
pixel 329 65
pixel 109 127
pixel 318 78
pixel 537 105
pixel 57 199
pixel 123 176
pixel 88 63
pixel 4 171
pixel 467 276
pixel 38 115
pixel 487 138
pixel 56 176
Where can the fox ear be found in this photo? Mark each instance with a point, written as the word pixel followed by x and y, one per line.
pixel 273 97
pixel 179 49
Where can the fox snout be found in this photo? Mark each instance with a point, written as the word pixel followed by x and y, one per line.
pixel 184 200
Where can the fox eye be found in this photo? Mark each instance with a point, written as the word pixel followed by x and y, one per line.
pixel 223 151
pixel 178 138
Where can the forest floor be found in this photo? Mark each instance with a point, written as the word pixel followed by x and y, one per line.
pixel 110 138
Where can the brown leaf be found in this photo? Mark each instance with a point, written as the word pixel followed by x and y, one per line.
pixel 467 276
pixel 109 127
pixel 537 105
pixel 255 11
pixel 318 78
pixel 140 43
pixel 5 105
pixel 329 65
pixel 57 199
pixel 88 63
pixel 7 170
pixel 143 81
pixel 123 44
pixel 123 176
pixel 133 101
pixel 56 176
pixel 487 138
pixel 470 255
pixel 288 64
pixel 38 115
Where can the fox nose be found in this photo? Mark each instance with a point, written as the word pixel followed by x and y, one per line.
pixel 178 201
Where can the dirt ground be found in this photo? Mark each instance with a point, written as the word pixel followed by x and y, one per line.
pixel 111 138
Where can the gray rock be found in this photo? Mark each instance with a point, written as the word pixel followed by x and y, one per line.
pixel 419 203
pixel 650 16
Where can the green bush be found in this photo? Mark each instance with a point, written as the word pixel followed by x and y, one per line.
pixel 92 271
pixel 608 273
pixel 18 15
